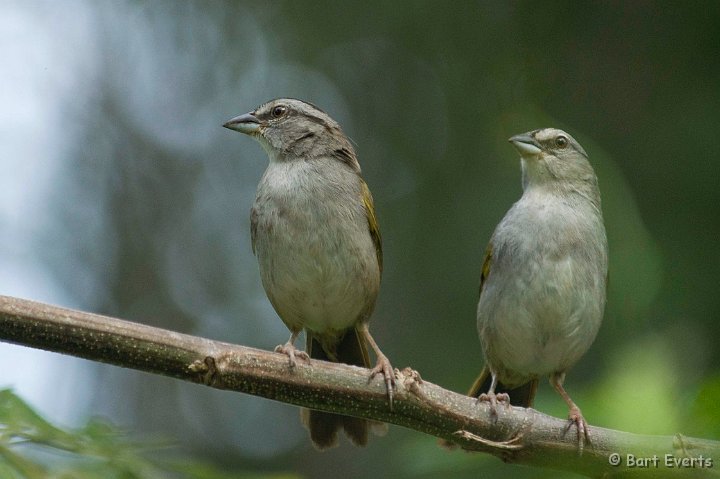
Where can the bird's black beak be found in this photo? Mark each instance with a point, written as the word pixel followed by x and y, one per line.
pixel 526 144
pixel 247 123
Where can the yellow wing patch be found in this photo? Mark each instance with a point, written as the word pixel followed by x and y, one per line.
pixel 253 227
pixel 372 222
pixel 486 266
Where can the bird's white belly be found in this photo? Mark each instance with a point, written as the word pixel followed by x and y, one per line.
pixel 540 324
pixel 313 290
pixel 318 261
pixel 323 278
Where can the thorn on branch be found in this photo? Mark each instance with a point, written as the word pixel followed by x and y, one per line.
pixel 411 381
pixel 205 369
pixel 514 444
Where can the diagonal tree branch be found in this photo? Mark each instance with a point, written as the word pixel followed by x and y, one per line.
pixel 519 435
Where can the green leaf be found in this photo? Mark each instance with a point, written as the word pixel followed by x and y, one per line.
pixel 96 451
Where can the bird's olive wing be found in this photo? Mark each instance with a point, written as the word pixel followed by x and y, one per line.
pixel 253 227
pixel 486 266
pixel 372 222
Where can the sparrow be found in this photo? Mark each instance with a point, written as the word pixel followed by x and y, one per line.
pixel 544 277
pixel 317 241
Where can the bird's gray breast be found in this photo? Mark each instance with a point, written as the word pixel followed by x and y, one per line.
pixel 543 300
pixel 317 260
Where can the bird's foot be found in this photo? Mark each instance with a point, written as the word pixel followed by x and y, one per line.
pixel 383 367
pixel 576 418
pixel 292 353
pixel 494 399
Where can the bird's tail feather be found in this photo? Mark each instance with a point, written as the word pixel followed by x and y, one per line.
pixel 323 426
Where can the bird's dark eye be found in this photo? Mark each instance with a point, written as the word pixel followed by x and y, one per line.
pixel 278 111
pixel 561 141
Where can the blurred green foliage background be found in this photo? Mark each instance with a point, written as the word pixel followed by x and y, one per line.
pixel 121 194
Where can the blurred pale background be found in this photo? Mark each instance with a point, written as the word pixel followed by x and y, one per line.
pixel 121 194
